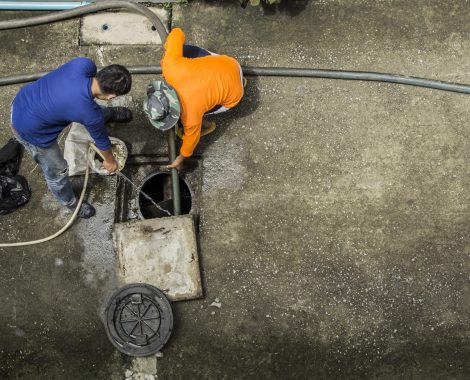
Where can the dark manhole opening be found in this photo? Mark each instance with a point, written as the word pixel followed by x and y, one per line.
pixel 139 319
pixel 158 187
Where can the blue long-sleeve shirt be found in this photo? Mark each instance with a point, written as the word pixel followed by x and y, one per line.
pixel 42 109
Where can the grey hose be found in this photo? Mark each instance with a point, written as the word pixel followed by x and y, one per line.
pixel 102 5
pixel 292 72
pixel 332 74
pixel 357 75
pixel 21 78
pixel 252 71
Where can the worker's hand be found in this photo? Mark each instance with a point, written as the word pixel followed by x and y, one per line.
pixel 177 163
pixel 111 165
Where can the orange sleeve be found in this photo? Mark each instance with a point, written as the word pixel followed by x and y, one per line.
pixel 174 43
pixel 192 135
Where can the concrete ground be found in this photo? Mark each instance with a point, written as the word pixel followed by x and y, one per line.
pixel 335 214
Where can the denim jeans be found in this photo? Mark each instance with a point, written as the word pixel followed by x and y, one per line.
pixel 55 169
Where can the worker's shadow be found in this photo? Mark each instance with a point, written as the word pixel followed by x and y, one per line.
pixel 247 106
pixel 291 8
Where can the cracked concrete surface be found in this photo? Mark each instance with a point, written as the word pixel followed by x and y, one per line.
pixel 334 219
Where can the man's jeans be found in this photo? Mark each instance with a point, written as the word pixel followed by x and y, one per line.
pixel 54 166
pixel 55 170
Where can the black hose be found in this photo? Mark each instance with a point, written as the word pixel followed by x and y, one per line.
pixel 291 72
pixel 253 71
pixel 21 78
pixel 92 8
pixel 357 75
pixel 25 78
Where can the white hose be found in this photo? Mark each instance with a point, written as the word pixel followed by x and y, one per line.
pixel 64 228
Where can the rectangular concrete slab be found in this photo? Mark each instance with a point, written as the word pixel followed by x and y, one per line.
pixel 122 28
pixel 160 252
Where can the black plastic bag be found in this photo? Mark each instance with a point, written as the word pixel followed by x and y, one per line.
pixel 14 189
pixel 10 157
pixel 14 192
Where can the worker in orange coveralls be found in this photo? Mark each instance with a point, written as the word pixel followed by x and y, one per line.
pixel 206 84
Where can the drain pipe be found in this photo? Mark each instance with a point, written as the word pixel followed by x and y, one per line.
pixel 175 180
pixel 290 72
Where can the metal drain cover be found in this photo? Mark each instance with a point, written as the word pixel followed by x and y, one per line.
pixel 139 319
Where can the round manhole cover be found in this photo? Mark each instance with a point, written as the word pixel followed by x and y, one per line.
pixel 139 319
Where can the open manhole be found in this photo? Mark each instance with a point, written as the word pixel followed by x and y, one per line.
pixel 158 187
pixel 139 320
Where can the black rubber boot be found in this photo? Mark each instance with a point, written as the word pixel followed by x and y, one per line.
pixel 120 115
pixel 86 210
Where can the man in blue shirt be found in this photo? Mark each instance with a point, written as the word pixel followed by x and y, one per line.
pixel 42 109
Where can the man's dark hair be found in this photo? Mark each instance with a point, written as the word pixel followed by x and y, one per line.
pixel 114 79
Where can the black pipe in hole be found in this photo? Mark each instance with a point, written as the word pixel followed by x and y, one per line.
pixel 104 27
pixel 158 187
